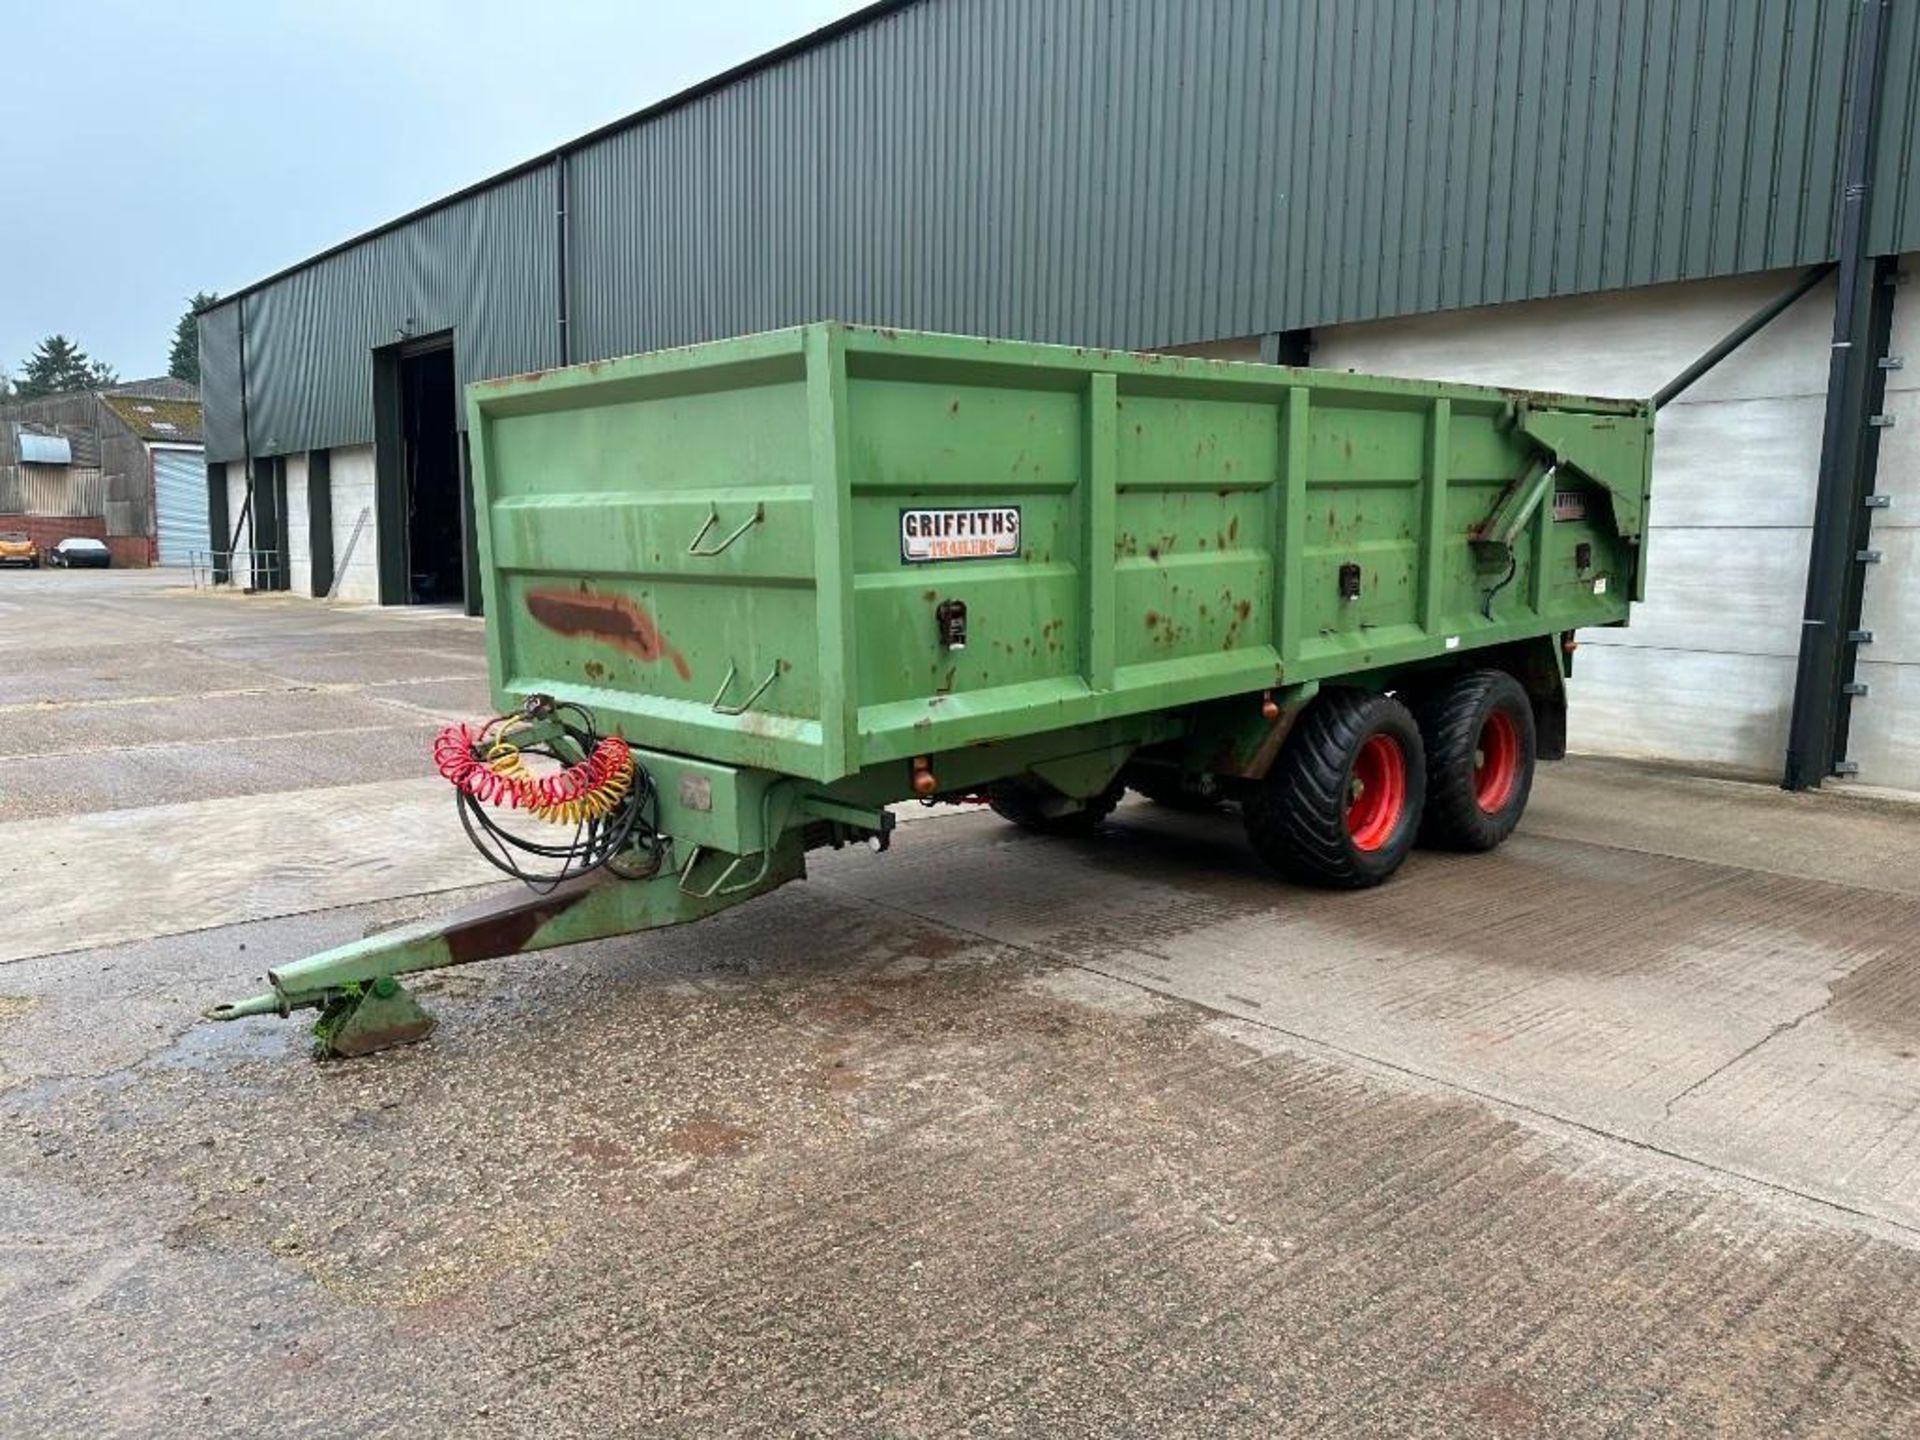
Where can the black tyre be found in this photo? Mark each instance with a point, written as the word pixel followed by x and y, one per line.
pixel 1033 805
pixel 1178 791
pixel 1480 755
pixel 1341 806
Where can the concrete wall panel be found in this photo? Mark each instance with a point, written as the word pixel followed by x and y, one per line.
pixel 299 548
pixel 1884 735
pixel 1885 739
pixel 240 527
pixel 1705 672
pixel 1622 342
pixel 1899 476
pixel 1746 462
pixel 1720 588
pixel 358 574
pixel 1689 706
pixel 1892 606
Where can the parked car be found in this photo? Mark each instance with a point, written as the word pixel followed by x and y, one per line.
pixel 18 549
pixel 78 552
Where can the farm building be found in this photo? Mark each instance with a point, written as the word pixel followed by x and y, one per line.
pixel 1534 193
pixel 122 464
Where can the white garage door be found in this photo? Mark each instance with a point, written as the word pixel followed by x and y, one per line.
pixel 180 504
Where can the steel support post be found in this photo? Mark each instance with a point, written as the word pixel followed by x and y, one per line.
pixel 1861 312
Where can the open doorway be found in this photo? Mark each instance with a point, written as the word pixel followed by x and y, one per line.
pixel 430 479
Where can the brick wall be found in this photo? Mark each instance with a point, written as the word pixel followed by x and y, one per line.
pixel 49 530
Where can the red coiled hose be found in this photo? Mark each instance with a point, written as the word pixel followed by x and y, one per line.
pixel 486 764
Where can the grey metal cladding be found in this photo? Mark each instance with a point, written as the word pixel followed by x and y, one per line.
pixel 483 268
pixel 220 381
pixel 1151 172
pixel 1133 173
pixel 1895 222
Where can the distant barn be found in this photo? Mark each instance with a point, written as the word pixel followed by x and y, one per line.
pixel 123 464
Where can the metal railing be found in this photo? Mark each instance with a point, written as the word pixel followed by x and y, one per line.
pixel 246 570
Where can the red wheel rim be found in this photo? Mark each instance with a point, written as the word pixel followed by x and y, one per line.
pixel 1496 762
pixel 1377 794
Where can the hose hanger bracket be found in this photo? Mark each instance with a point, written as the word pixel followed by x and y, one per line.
pixel 713 519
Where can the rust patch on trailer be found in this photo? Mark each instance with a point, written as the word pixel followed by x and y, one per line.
pixel 611 619
pixel 487 931
pixel 1230 758
pixel 506 382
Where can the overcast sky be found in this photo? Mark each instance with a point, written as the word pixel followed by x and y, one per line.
pixel 149 150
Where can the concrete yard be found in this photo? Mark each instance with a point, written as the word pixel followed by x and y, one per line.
pixel 1613 1132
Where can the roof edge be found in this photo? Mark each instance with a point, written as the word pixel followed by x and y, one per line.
pixel 766 60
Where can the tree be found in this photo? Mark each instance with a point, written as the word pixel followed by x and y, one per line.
pixel 6 386
pixel 183 361
pixel 59 366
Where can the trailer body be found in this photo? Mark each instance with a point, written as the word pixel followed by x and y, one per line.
pixel 1153 532
pixel 810 573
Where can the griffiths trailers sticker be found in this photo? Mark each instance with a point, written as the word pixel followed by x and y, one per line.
pixel 984 534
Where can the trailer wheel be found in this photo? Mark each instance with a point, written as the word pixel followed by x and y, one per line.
pixel 1480 754
pixel 1025 803
pixel 1341 806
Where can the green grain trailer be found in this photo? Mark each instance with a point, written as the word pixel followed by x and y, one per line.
pixel 813 573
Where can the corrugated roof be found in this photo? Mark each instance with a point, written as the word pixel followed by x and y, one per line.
pixel 175 422
pixel 165 387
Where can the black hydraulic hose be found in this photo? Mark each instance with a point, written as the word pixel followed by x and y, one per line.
pixel 595 842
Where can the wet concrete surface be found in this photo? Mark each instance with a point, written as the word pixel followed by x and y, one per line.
pixel 1612 1132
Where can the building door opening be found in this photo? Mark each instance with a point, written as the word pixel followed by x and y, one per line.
pixel 434 507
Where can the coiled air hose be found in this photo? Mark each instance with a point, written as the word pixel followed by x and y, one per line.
pixel 606 797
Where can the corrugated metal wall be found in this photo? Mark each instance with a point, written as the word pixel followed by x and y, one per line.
pixel 1136 173
pixel 126 501
pixel 484 268
pixel 108 474
pixel 63 490
pixel 220 381
pixel 1895 225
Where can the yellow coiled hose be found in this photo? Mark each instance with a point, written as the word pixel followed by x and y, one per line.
pixel 592 790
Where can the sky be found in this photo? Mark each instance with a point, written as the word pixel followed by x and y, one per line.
pixel 151 150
